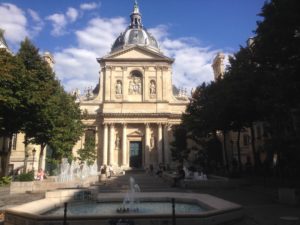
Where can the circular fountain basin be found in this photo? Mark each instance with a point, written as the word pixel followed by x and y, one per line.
pixel 208 210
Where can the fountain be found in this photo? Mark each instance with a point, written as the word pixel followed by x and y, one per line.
pixel 135 208
pixel 130 202
pixel 69 172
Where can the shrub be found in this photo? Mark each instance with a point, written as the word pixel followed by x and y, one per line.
pixel 5 181
pixel 29 176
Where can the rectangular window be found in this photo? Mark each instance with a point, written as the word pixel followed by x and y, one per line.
pixel 14 141
pixel 258 132
pixel 246 139
pixel 89 134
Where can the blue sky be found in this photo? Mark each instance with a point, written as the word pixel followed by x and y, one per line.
pixel 76 32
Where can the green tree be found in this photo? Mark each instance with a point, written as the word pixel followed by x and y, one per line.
pixel 88 154
pixel 12 106
pixel 209 112
pixel 179 147
pixel 66 120
pixel 40 85
pixel 277 53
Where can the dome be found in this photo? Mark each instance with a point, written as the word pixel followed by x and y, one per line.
pixel 135 34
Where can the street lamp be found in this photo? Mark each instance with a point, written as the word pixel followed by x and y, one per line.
pixel 33 158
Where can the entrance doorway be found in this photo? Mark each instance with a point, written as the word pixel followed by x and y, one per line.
pixel 135 154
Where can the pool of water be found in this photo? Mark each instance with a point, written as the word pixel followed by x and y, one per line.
pixel 107 208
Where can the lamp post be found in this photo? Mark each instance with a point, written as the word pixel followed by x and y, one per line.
pixel 33 158
pixel 25 161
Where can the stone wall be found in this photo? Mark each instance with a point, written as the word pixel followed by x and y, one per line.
pixel 49 184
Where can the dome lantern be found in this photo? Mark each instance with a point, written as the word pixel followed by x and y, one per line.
pixel 135 34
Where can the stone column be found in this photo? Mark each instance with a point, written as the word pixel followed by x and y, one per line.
pixel 147 145
pixel 97 145
pixel 111 144
pixel 166 144
pixel 124 145
pixel 105 144
pixel 159 144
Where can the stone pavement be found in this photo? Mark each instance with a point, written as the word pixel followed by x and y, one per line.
pixel 260 204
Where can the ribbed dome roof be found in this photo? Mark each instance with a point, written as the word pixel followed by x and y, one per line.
pixel 135 34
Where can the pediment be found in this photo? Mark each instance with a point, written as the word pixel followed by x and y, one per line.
pixel 136 134
pixel 137 53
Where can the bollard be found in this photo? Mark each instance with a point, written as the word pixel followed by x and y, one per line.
pixel 173 212
pixel 65 213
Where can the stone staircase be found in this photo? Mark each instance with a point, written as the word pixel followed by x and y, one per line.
pixel 146 182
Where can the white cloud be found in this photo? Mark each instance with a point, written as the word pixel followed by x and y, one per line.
pixel 100 34
pixel 72 14
pixel 58 22
pixel 77 67
pixel 14 22
pixel 192 64
pixel 89 6
pixel 38 22
pixel 34 15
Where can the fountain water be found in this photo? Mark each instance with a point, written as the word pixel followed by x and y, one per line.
pixel 131 202
pixel 69 172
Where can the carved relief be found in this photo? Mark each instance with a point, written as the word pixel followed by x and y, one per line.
pixel 135 83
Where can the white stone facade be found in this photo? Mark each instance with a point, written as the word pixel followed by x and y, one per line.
pixel 134 110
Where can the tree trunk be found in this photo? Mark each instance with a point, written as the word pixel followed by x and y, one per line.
pixel 5 156
pixel 239 149
pixel 225 149
pixel 253 146
pixel 41 157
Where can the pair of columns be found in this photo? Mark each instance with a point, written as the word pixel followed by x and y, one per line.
pixel 162 143
pixel 162 140
pixel 109 159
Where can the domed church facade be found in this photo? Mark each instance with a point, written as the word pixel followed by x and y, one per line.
pixel 133 110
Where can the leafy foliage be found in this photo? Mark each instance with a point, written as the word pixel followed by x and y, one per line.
pixel 12 107
pixel 179 146
pixel 262 83
pixel 6 180
pixel 34 102
pixel 29 176
pixel 88 154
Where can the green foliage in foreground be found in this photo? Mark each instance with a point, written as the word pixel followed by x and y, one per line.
pixel 88 153
pixel 5 181
pixel 29 176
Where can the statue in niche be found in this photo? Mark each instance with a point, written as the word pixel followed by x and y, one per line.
pixel 152 87
pixel 152 141
pixel 117 142
pixel 119 88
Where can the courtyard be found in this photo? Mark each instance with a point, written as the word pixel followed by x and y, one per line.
pixel 260 202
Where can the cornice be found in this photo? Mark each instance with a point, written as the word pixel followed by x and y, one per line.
pixel 110 57
pixel 140 115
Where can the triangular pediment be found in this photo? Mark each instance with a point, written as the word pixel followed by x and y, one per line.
pixel 136 134
pixel 137 53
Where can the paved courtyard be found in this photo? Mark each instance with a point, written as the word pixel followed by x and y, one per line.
pixel 260 204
